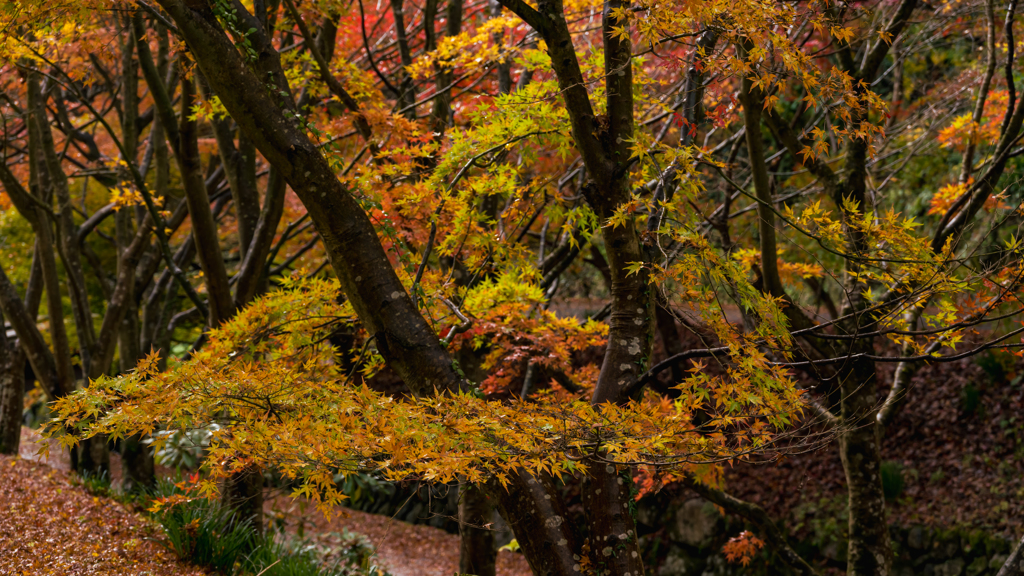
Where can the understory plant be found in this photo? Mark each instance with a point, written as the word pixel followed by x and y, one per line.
pixel 204 532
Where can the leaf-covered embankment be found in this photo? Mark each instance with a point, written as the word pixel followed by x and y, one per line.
pixel 50 527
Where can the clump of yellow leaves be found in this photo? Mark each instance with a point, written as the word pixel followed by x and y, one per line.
pixel 964 131
pixel 124 196
pixel 790 272
pixel 514 330
pixel 892 255
pixel 950 193
pixel 465 51
pixel 273 382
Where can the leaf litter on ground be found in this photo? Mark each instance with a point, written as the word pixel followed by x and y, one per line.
pixel 66 525
pixel 48 526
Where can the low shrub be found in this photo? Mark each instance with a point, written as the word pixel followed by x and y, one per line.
pixel 276 559
pixel 183 449
pixel 353 556
pixel 893 481
pixel 205 533
pixel 96 483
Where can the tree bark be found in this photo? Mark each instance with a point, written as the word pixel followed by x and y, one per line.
pixel 362 266
pixel 13 355
pixel 31 340
pixel 138 465
pixel 668 330
pixel 615 547
pixel 52 177
pixel 242 492
pixel 204 228
pixel 12 392
pixel 407 93
pixel 441 113
pixel 540 522
pixel 65 375
pixel 870 549
pixel 603 143
pixel 477 554
pixel 251 279
pixel 238 163
pixel 759 171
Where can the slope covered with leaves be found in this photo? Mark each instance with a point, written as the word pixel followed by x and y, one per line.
pixel 954 459
pixel 50 527
pixel 40 499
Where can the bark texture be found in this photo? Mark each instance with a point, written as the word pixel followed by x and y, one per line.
pixel 263 109
pixel 477 554
pixel 870 549
pixel 242 492
pixel 12 391
pixel 540 525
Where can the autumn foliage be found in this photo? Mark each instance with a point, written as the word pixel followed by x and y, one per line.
pixel 285 205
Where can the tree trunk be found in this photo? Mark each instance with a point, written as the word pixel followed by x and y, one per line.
pixel 65 373
pixel 477 554
pixel 243 493
pixel 12 391
pixel 613 539
pixel 204 227
pixel 669 333
pixel 538 518
pixel 377 295
pixel 441 114
pixel 92 456
pixel 870 551
pixel 137 464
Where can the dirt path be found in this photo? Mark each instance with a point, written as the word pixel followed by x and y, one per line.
pixel 404 549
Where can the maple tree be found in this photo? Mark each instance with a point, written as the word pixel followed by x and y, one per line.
pixel 455 165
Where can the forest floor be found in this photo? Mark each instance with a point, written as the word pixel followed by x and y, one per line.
pixel 404 549
pixel 48 525
pixel 954 456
